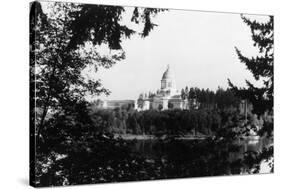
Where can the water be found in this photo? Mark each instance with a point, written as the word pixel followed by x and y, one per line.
pixel 188 150
pixel 151 147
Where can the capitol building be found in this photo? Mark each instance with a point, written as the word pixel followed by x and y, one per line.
pixel 167 97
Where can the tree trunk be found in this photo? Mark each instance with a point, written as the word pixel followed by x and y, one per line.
pixel 46 105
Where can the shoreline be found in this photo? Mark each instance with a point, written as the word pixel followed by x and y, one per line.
pixel 153 137
pixel 184 137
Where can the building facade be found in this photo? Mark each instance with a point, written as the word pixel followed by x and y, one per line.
pixel 112 104
pixel 168 97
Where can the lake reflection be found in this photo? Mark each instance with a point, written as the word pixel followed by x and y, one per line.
pixel 180 150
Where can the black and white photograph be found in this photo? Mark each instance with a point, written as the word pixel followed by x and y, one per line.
pixel 128 93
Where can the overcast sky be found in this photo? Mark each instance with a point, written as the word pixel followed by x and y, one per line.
pixel 198 46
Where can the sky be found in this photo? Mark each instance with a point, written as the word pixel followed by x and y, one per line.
pixel 198 46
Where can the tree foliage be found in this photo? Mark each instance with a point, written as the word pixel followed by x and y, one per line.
pixel 81 148
pixel 65 42
pixel 206 98
pixel 102 24
pixel 261 66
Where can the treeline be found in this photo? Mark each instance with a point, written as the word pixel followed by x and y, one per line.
pixel 168 122
pixel 205 98
pixel 208 110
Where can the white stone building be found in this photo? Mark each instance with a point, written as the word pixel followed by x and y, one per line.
pixel 168 97
pixel 112 104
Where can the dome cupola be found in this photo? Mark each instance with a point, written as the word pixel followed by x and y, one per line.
pixel 168 74
pixel 168 81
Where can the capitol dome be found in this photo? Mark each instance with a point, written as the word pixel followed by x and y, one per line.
pixel 168 81
pixel 168 74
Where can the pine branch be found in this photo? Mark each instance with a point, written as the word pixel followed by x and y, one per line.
pixel 260 66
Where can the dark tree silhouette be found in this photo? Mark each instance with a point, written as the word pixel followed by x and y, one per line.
pixel 261 66
pixel 59 42
pixel 63 43
pixel 102 24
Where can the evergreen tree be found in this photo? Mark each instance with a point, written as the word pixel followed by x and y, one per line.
pixel 183 95
pixel 192 94
pixel 261 67
pixel 186 92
